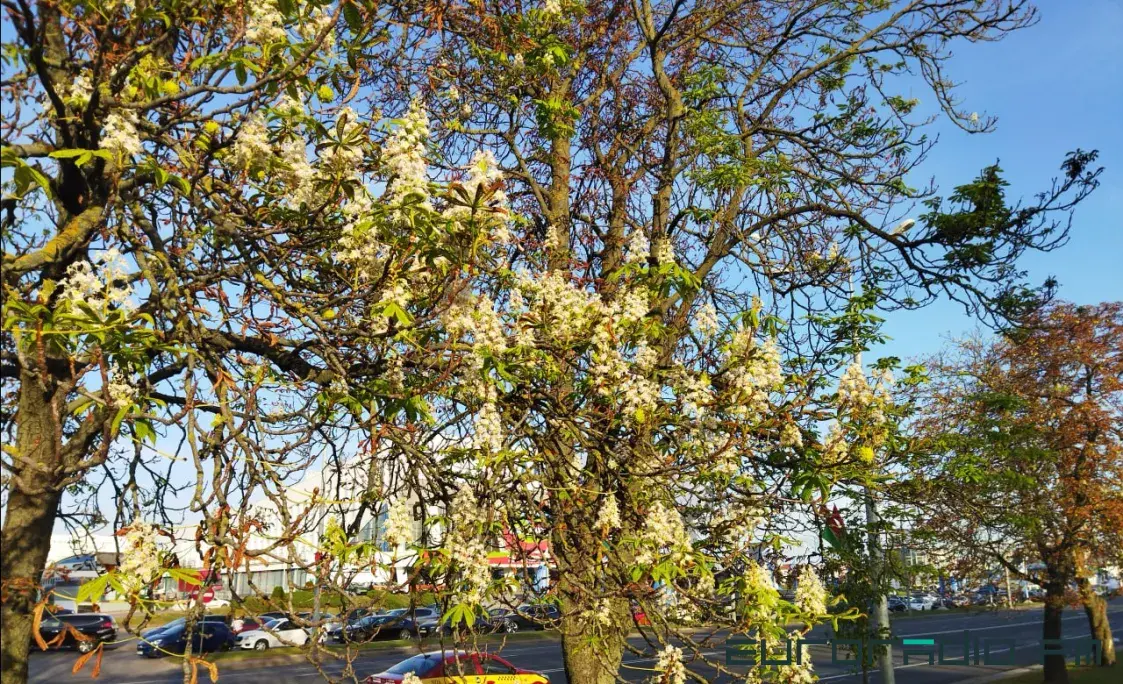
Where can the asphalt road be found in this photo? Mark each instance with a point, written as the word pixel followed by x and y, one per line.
pixel 121 665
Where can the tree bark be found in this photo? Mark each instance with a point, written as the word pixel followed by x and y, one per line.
pixel 1056 671
pixel 1099 627
pixel 29 518
pixel 593 658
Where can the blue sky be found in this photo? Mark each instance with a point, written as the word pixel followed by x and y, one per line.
pixel 1054 87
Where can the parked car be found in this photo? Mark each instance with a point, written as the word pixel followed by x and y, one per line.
pixel 639 616
pixel 277 633
pixel 401 623
pixel 897 604
pixel 923 602
pixel 534 616
pixel 207 637
pixel 179 623
pixel 461 667
pixel 100 628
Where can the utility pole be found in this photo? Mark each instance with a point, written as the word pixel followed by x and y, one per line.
pixel 881 605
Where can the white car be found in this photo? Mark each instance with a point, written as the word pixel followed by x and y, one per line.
pixel 922 603
pixel 281 633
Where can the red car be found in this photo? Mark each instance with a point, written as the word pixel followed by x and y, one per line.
pixel 457 667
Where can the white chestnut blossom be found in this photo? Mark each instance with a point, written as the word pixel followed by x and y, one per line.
pixel 608 517
pixel 553 238
pixel 754 371
pixel 853 390
pixel 107 288
pixel 358 241
pixel 696 395
pixel 121 391
pixel 264 23
pixel 120 134
pixel 251 147
pixel 140 557
pixel 638 247
pixel 489 429
pixel 299 175
pixel 79 93
pixel 670 667
pixel 836 448
pixel 664 252
pixel 810 596
pixel 318 21
pixel 705 319
pixel 411 678
pixel 399 523
pixel 404 155
pixel 790 436
pixel 663 532
pixel 466 550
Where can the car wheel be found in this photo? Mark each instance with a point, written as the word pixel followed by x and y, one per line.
pixel 86 646
pixel 405 634
pixel 510 627
pixel 261 645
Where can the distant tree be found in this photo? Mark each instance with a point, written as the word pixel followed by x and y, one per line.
pixel 1019 453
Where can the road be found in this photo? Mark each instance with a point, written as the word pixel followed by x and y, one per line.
pixel 121 665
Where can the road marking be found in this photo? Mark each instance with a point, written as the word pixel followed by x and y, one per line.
pixel 903 667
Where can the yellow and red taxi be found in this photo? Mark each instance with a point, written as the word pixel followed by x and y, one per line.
pixel 458 667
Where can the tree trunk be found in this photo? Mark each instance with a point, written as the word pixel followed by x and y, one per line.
pixel 1055 669
pixel 1096 610
pixel 29 518
pixel 592 655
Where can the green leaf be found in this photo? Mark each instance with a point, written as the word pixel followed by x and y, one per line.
pixel 93 590
pixel 186 575
pixel 353 18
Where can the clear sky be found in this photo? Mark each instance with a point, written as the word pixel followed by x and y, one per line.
pixel 1054 87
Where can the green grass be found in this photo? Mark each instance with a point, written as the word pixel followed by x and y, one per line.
pixel 1076 675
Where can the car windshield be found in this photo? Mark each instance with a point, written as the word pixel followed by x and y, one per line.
pixel 275 623
pixel 418 664
pixel 178 623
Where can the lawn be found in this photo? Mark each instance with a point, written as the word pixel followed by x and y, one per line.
pixel 1076 675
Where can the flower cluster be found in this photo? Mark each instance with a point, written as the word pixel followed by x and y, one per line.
pixel 705 319
pixel 358 241
pixel 810 596
pixel 404 155
pixel 608 518
pixel 836 449
pixel 790 436
pixel 489 429
pixel 853 390
pixel 411 678
pixel 106 289
pixel 754 372
pixel 265 24
pixel 79 93
pixel 120 135
pixel 251 148
pixel 663 530
pixel 465 548
pixel 399 523
pixel 638 247
pixel 140 557
pixel 121 392
pixel 670 667
pixel 664 252
pixel 696 395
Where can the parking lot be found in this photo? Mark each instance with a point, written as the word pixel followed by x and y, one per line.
pixel 542 653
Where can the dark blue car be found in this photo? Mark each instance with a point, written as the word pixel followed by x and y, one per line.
pixel 208 637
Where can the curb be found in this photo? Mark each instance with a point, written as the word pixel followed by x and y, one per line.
pixel 999 676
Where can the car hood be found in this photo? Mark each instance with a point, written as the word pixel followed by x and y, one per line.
pixel 253 634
